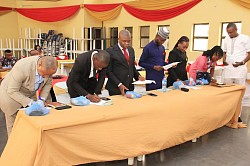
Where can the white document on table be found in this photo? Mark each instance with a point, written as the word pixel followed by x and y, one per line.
pixel 170 65
pixel 143 82
pixel 102 102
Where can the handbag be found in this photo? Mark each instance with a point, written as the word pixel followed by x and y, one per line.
pixel 203 75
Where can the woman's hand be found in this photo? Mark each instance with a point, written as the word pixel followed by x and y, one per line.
pixel 158 68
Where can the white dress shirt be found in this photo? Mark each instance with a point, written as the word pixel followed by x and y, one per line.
pixel 236 50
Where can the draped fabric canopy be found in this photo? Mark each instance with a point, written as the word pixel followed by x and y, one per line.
pixel 244 3
pixel 160 5
pixel 49 14
pixel 105 15
pixel 101 7
pixel 147 10
pixel 103 12
pixel 3 9
pixel 159 15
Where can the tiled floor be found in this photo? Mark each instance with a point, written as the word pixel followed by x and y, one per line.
pixel 222 147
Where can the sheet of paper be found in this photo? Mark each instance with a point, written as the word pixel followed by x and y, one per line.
pixel 170 65
pixel 102 103
pixel 144 82
pixel 193 87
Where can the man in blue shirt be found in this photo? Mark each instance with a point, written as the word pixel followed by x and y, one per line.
pixel 153 59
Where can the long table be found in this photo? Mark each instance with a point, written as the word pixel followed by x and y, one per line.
pixel 128 128
pixel 2 74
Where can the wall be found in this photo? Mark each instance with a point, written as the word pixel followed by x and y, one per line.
pixel 213 12
pixel 8 28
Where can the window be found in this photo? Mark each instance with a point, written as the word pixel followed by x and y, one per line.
pixel 144 36
pixel 166 43
pixel 130 29
pixel 224 31
pixel 113 36
pixel 200 37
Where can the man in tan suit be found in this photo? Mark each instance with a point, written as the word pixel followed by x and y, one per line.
pixel 18 88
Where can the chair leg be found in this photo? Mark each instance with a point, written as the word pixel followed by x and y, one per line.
pixel 141 158
pixel 194 140
pixel 131 161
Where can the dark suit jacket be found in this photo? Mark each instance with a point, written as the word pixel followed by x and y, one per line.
pixel 79 83
pixel 179 72
pixel 119 71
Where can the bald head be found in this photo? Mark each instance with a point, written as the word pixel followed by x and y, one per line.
pixel 124 38
pixel 49 62
pixel 124 33
pixel 46 66
pixel 34 52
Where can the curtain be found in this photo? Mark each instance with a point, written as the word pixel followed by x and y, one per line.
pixel 106 15
pixel 3 9
pixel 244 3
pixel 49 14
pixel 147 10
pixel 157 5
pixel 103 12
pixel 160 15
pixel 101 7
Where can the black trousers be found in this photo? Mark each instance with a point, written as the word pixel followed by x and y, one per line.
pixel 52 94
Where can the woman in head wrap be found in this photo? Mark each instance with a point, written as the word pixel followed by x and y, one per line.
pixel 178 54
pixel 206 61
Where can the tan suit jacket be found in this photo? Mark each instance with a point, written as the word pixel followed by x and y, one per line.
pixel 18 86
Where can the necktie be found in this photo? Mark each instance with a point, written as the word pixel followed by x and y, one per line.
pixel 126 55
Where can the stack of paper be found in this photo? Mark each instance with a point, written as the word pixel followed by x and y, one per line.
pixel 103 102
pixel 144 82
pixel 170 65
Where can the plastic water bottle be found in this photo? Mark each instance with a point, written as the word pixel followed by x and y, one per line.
pixel 164 84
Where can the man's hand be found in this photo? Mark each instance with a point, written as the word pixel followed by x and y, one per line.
pixel 225 63
pixel 236 64
pixel 122 89
pixel 140 78
pixel 158 68
pixel 174 66
pixel 93 98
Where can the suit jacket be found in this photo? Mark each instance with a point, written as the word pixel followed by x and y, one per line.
pixel 79 83
pixel 179 72
pixel 18 86
pixel 119 71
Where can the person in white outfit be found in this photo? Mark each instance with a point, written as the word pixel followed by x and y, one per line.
pixel 236 53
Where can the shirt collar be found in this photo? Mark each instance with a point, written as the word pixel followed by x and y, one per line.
pixel 120 46
pixel 37 74
pixel 92 62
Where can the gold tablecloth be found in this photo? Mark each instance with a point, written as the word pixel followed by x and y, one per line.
pixel 65 65
pixel 128 128
pixel 2 74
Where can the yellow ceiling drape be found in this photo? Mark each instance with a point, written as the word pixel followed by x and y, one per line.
pixel 157 4
pixel 245 3
pixel 106 15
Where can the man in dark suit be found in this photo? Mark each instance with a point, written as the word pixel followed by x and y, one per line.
pixel 82 79
pixel 121 69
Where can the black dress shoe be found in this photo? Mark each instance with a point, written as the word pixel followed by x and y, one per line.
pixel 239 120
